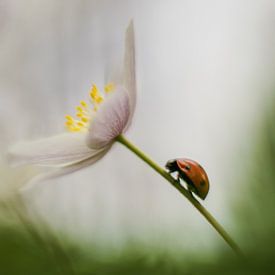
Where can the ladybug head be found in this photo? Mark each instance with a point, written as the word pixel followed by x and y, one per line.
pixel 195 176
pixel 171 165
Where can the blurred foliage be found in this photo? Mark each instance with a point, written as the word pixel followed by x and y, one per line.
pixel 29 249
pixel 255 208
pixel 22 253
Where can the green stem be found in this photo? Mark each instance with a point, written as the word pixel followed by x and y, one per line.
pixel 183 191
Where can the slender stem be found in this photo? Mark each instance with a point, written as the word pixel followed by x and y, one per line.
pixel 183 191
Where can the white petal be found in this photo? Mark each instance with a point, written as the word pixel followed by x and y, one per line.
pixel 126 75
pixel 129 74
pixel 53 151
pixel 110 120
pixel 58 172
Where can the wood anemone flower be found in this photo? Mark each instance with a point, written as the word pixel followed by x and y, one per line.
pixel 90 136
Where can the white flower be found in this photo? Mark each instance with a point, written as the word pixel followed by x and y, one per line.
pixel 92 134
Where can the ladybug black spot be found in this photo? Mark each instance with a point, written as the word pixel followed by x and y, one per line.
pixel 202 183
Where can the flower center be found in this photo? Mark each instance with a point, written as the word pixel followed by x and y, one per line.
pixel 86 110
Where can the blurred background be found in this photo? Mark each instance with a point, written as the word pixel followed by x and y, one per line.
pixel 205 73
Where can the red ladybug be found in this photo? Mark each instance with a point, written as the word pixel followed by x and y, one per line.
pixel 192 173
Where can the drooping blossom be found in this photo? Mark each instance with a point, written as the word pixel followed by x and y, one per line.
pixel 91 133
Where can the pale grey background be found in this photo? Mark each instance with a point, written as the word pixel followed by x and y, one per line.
pixel 204 69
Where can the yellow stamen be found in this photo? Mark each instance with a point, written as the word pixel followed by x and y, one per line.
pixel 84 119
pixel 79 109
pixel 85 110
pixel 83 103
pixel 95 95
pixel 69 123
pixel 109 88
pixel 75 129
pixel 69 118
pixel 80 123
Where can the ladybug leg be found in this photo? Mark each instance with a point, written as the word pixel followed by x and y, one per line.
pixel 190 191
pixel 188 188
pixel 178 178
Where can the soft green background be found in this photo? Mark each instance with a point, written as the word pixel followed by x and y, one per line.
pixel 205 73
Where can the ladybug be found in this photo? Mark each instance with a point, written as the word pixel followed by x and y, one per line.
pixel 192 173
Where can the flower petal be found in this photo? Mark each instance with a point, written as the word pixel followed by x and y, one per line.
pixel 110 119
pixel 129 74
pixel 68 169
pixel 53 151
